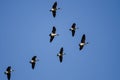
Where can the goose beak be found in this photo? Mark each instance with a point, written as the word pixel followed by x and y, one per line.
pixel 64 53
pixel 5 73
pixel 58 8
pixel 12 70
pixel 57 34
pixel 87 43
pixel 37 60
pixel 29 61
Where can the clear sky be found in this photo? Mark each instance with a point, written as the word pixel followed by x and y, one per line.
pixel 24 32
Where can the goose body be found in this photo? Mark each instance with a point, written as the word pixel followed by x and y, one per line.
pixel 82 43
pixel 54 9
pixel 73 29
pixel 8 72
pixel 33 61
pixel 53 34
pixel 60 55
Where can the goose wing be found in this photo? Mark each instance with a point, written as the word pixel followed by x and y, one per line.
pixel 73 33
pixel 73 25
pixel 54 13
pixel 8 76
pixel 8 68
pixel 60 58
pixel 33 65
pixel 81 47
pixel 54 5
pixel 51 38
pixel 54 29
pixel 82 41
pixel 34 57
pixel 61 50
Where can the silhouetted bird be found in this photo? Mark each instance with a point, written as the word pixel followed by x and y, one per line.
pixel 82 43
pixel 54 9
pixel 33 61
pixel 73 29
pixel 53 34
pixel 8 72
pixel 60 54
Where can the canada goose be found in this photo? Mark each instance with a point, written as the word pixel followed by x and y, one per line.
pixel 82 43
pixel 60 54
pixel 33 61
pixel 53 34
pixel 8 72
pixel 54 9
pixel 73 29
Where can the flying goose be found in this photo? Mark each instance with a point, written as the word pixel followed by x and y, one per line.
pixel 33 61
pixel 54 9
pixel 8 72
pixel 53 34
pixel 73 29
pixel 82 43
pixel 60 55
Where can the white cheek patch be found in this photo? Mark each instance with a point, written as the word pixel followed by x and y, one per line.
pixel 11 70
pixel 32 61
pixel 82 44
pixel 53 9
pixel 71 28
pixel 52 34
pixel 6 72
pixel 59 55
pixel 35 59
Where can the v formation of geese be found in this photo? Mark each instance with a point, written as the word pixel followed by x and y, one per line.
pixel 52 35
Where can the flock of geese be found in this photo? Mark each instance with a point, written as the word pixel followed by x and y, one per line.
pixel 52 35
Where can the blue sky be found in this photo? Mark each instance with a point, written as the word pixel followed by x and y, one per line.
pixel 24 32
